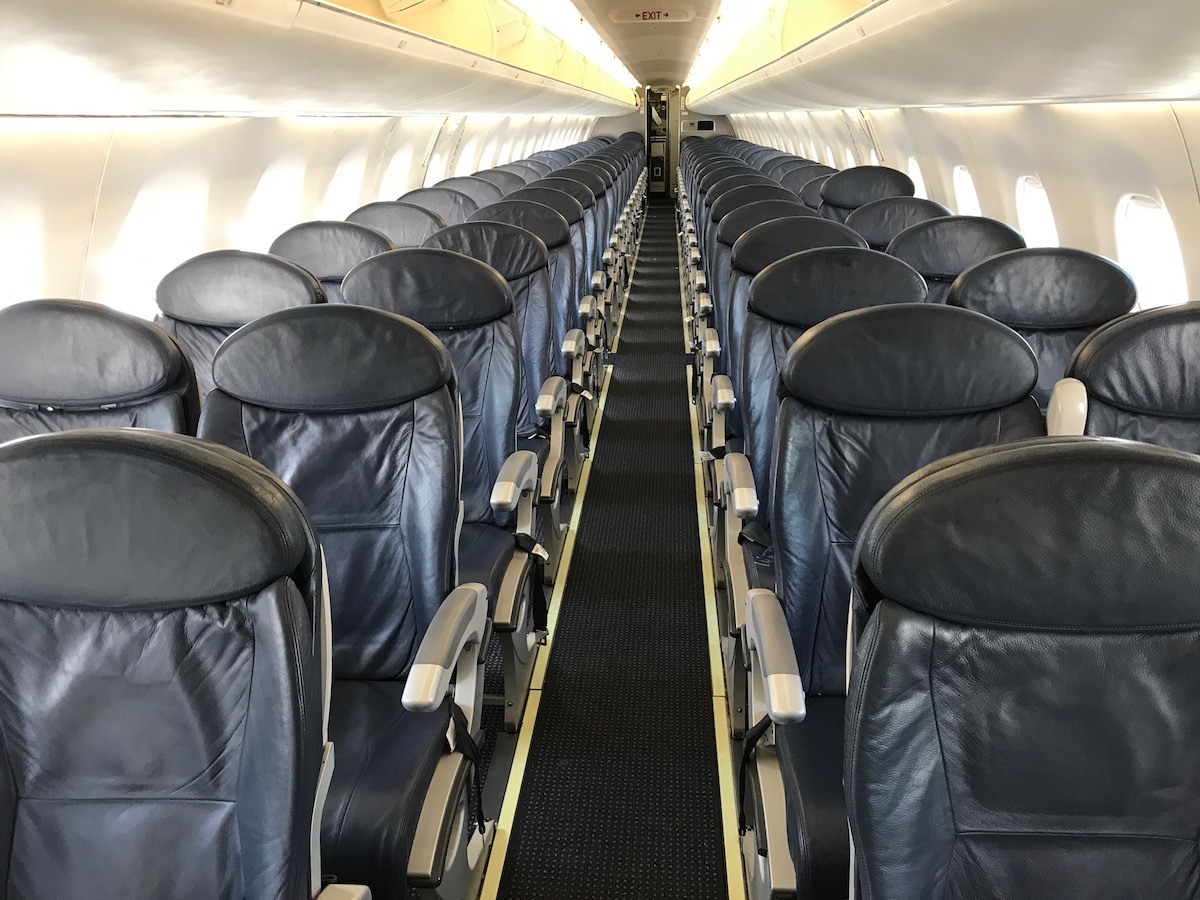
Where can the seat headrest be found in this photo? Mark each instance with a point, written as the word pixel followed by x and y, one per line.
pixel 743 196
pixel 852 188
pixel 1070 534
pixel 480 190
pixel 582 194
pixel 525 173
pixel 741 220
pixel 559 201
pixel 731 182
pixel 506 181
pixel 602 169
pixel 713 172
pixel 811 192
pixel 512 251
pixel 911 360
pixel 943 247
pixel 438 288
pixel 331 358
pixel 1046 287
pixel 228 288
pixel 796 179
pixel 452 205
pixel 1148 362
pixel 764 244
pixel 330 249
pixel 135 519
pixel 70 354
pixel 406 224
pixel 881 220
pixel 534 217
pixel 807 288
pixel 542 168
pixel 589 180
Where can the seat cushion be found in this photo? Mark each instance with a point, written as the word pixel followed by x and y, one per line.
pixel 484 552
pixel 810 759
pixel 385 758
pixel 538 443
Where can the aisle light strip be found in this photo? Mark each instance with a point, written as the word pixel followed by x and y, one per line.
pixel 563 19
pixel 733 21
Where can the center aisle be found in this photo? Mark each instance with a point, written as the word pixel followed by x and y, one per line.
pixel 620 795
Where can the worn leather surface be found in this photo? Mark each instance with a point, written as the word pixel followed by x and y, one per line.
pixel 227 288
pixel 881 220
pixel 917 382
pixel 851 188
pixel 329 250
pixel 797 178
pixel 176 618
pixel 484 551
pixel 478 189
pixel 1019 693
pixel 941 248
pixel 810 193
pixel 506 181
pixel 452 205
pixel 406 224
pixel 588 225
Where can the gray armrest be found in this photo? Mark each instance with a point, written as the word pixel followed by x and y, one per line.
pixel 704 303
pixel 553 396
pixel 518 475
pixel 458 625
pixel 739 486
pixel 588 308
pixel 575 344
pixel 701 280
pixel 598 282
pixel 1066 413
pixel 770 645
pixel 345 892
pixel 694 256
pixel 712 343
pixel 722 391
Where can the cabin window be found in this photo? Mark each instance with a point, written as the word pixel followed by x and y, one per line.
pixel 918 180
pixel 21 246
pixel 850 161
pixel 1148 248
pixel 1035 218
pixel 273 207
pixel 965 197
pixel 344 193
pixel 165 227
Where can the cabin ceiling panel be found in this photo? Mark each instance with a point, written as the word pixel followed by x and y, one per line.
pixel 135 57
pixel 658 51
pixel 900 53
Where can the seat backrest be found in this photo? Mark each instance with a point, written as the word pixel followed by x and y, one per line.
pixel 594 215
pixel 406 224
pixel 163 696
pixel 787 298
pixel 208 297
pixel 1023 696
pixel 452 205
pixel 583 195
pixel 65 364
pixel 523 261
pixel 866 398
pixel 539 166
pixel 1053 297
pixel 1142 374
pixel 480 190
pixel 329 250
pixel 522 171
pixel 572 211
pixel 724 204
pixel 881 220
pixel 506 181
pixel 811 192
pixel 779 167
pixel 940 249
pixel 469 308
pixel 553 231
pixel 795 179
pixel 357 411
pixel 849 189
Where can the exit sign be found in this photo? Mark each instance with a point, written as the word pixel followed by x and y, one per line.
pixel 638 14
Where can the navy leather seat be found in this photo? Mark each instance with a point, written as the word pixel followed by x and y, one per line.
pixel 405 224
pixel 208 297
pixel 163 696
pixel 1022 713
pixel 452 205
pixel 1140 373
pixel 572 211
pixel 711 196
pixel 942 248
pixel 329 250
pixel 358 411
pixel 522 171
pixel 810 193
pixel 584 196
pixel 795 179
pixel 1053 297
pixel 881 220
pixel 506 181
pixel 866 398
pixel 778 168
pixel 596 213
pixel 724 202
pixel 65 364
pixel 539 166
pixel 849 189
pixel 480 190
pixel 469 308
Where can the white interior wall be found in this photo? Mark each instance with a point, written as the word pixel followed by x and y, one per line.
pixel 1088 156
pixel 101 209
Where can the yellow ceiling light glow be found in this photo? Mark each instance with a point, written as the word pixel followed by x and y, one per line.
pixel 734 19
pixel 562 19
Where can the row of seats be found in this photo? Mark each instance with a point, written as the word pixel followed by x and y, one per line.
pixel 323 570
pixel 829 371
